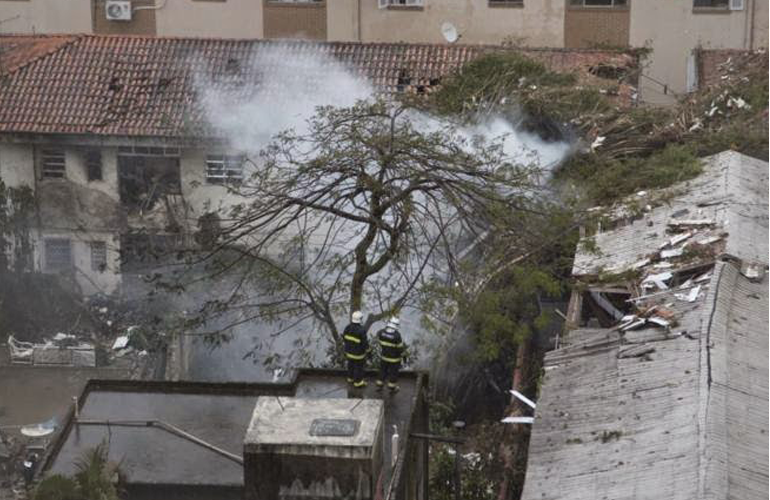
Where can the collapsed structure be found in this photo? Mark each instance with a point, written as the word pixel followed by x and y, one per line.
pixel 660 388
pixel 217 441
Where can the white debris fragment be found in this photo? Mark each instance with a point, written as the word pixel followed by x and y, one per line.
pixel 677 239
pixel 657 320
pixel 522 397
pixel 674 252
pixel 691 222
pixel 752 272
pixel 703 277
pixel 518 420
pixel 712 111
pixel 696 126
pixel 738 103
pixel 640 264
pixel 658 280
pixel 597 142
pixel 708 240
pixel 641 194
pixel 689 297
pixel 663 265
pixel 634 324
pixel 120 343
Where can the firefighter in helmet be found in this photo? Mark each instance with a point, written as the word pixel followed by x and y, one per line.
pixel 356 349
pixel 392 351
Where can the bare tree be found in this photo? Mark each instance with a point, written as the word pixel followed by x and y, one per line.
pixel 370 209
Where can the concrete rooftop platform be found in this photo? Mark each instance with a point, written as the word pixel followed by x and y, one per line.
pixel 219 414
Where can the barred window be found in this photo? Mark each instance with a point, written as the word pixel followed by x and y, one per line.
pixel 93 161
pixel 223 169
pixel 98 256
pixel 408 3
pixel 507 3
pixel 711 4
pixel 53 165
pixel 598 3
pixel 58 254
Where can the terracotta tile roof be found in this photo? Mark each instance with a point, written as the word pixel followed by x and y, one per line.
pixel 144 86
pixel 18 50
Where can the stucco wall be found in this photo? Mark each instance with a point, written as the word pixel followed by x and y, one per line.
pixel 294 20
pixel 592 27
pixel 211 18
pixel 45 16
pixel 673 29
pixel 539 23
pixel 16 165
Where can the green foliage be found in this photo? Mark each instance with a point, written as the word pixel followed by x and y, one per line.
pixel 492 77
pixel 607 180
pixel 16 205
pixel 505 315
pixel 476 479
pixel 92 481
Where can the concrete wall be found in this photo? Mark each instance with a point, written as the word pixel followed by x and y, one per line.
pixel 586 27
pixel 537 23
pixel 674 29
pixel 16 165
pixel 295 20
pixel 45 16
pixel 211 18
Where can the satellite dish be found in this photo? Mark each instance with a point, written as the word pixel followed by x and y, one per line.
pixel 449 32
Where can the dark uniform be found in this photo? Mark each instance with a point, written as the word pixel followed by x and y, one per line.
pixel 391 354
pixel 356 350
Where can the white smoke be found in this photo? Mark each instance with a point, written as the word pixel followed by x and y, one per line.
pixel 290 89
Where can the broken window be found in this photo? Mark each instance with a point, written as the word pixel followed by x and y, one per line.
pixel 144 251
pixel 52 163
pixel 58 254
pixel 223 169
pixel 98 256
pixel 93 161
pixel 598 3
pixel 146 176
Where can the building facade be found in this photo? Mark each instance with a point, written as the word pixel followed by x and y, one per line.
pixel 110 133
pixel 671 29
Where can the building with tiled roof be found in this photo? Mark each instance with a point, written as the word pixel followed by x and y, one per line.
pixel 123 137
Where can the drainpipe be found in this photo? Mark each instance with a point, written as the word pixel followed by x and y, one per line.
pixel 753 4
pixel 358 24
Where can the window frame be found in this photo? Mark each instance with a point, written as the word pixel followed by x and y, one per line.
pixel 506 3
pixel 726 8
pixel 99 265
pixel 92 159
pixel 53 170
pixel 227 174
pixel 47 253
pixel 397 5
pixel 572 5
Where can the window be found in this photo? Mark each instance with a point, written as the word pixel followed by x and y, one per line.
pixel 98 256
pixel 506 3
pixel 221 169
pixel 711 4
pixel 53 165
pixel 93 161
pixel 58 254
pixel 598 3
pixel 400 3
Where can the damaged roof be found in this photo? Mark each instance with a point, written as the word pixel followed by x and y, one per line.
pixel 670 399
pixel 724 211
pixel 655 413
pixel 146 86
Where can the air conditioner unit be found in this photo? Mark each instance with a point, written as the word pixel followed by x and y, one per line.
pixel 117 10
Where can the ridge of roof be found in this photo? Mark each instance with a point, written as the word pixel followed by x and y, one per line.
pixel 66 40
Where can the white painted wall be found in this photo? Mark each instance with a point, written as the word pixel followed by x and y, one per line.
pixel 16 165
pixel 45 16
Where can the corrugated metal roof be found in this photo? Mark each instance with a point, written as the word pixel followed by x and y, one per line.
pixel 686 420
pixel 731 191
pixel 146 86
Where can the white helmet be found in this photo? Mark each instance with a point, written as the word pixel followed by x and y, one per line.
pixel 357 317
pixel 392 323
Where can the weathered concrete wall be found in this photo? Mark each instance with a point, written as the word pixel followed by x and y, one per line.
pixel 535 24
pixel 673 29
pixel 45 16
pixel 17 165
pixel 211 18
pixel 295 20
pixel 586 27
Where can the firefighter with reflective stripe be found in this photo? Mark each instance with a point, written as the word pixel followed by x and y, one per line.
pixel 356 349
pixel 391 353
